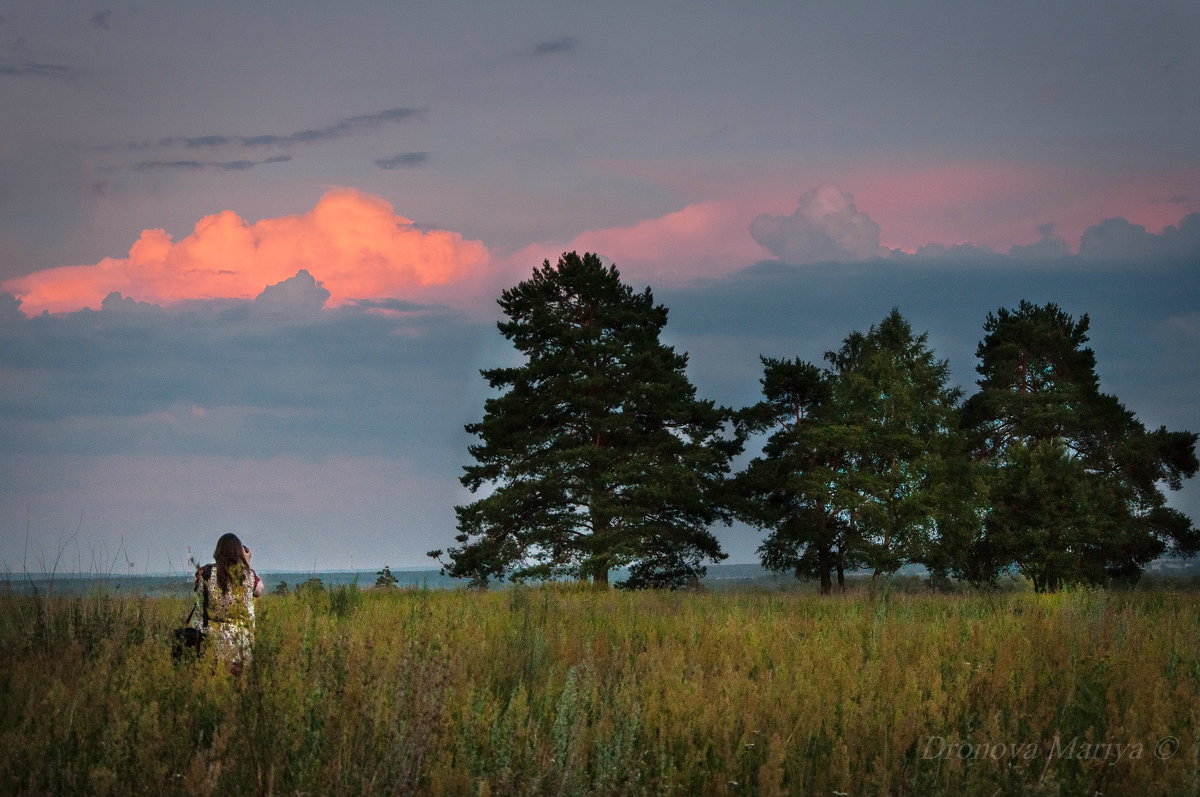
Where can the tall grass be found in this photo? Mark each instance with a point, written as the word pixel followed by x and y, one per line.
pixel 565 690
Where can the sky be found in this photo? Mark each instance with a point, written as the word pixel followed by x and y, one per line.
pixel 249 252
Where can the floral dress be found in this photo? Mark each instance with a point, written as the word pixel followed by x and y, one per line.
pixel 230 615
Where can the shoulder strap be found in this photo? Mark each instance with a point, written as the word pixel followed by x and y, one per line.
pixel 205 574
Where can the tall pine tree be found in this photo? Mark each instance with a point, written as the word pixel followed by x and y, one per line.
pixel 856 471
pixel 597 454
pixel 791 490
pixel 1074 477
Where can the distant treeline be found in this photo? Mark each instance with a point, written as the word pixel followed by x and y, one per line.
pixel 155 585
pixel 596 456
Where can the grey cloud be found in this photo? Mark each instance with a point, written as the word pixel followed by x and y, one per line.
pixel 101 19
pixel 403 160
pixel 117 304
pixel 204 141
pixel 276 375
pixel 393 305
pixel 10 312
pixel 825 227
pixel 780 310
pixel 564 44
pixel 36 69
pixel 1048 246
pixel 299 295
pixel 957 252
pixel 340 128
pixel 1117 239
pixel 195 165
pixel 155 166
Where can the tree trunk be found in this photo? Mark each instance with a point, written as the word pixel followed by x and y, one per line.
pixel 824 564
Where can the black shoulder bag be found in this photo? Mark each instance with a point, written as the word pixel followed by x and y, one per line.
pixel 188 638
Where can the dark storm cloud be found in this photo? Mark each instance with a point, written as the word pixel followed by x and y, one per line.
pixel 276 375
pixel 781 310
pixel 1145 326
pixel 404 160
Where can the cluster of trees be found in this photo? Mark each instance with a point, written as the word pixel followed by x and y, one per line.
pixel 596 454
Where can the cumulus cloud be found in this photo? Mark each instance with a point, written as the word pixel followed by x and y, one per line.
pixel 1048 246
pixel 825 227
pixel 1119 239
pixel 300 295
pixel 353 243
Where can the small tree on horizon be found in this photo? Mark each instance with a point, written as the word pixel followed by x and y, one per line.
pixel 385 578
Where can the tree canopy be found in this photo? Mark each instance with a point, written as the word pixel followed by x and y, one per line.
pixel 1074 477
pixel 596 454
pixel 853 473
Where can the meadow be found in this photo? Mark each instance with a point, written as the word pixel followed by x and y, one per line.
pixel 570 690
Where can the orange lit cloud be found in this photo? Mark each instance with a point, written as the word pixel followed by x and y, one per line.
pixel 354 243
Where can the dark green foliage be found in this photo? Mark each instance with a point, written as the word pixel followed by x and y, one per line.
pixel 905 475
pixel 789 490
pixel 1074 477
pixel 311 586
pixel 863 466
pixel 599 452
pixel 385 578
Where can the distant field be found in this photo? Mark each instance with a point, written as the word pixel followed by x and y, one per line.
pixel 566 690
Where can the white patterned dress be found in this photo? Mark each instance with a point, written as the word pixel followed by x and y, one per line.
pixel 230 628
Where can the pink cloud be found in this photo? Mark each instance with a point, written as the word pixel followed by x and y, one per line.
pixel 700 240
pixel 826 226
pixel 351 242
pixel 920 199
pixel 1001 204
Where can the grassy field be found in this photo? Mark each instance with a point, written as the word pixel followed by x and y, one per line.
pixel 567 690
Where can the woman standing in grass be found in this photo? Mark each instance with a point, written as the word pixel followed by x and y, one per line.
pixel 225 591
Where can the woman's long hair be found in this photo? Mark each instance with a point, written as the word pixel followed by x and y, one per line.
pixel 230 557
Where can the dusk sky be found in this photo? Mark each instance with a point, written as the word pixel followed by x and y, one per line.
pixel 250 251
